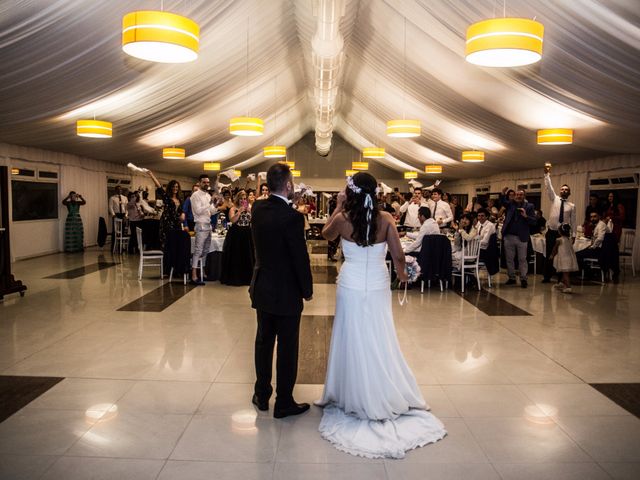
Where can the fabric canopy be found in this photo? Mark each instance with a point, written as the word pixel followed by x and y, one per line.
pixel 62 61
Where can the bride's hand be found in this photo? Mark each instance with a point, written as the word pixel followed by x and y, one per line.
pixel 403 277
pixel 342 197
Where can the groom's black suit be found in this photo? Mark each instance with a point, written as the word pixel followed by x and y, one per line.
pixel 281 280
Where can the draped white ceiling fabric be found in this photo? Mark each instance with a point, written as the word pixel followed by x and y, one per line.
pixel 62 61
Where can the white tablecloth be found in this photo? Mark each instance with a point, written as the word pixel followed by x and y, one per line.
pixel 217 242
pixel 539 244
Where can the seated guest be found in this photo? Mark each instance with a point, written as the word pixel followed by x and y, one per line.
pixel 485 228
pixel 384 205
pixel 440 210
pixel 599 230
pixel 428 227
pixel 541 224
pixel 411 207
pixel 594 206
pixel 456 208
pixel 465 233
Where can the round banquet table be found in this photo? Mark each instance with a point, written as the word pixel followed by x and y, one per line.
pixel 539 244
pixel 212 267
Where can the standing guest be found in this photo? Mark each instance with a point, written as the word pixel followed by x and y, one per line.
pixel 446 198
pixel 562 211
pixel 237 251
pixel 395 203
pixel 428 227
pixel 172 214
pixel 136 215
pixel 440 209
pixel 519 217
pixel 594 206
pixel 203 208
pixel 251 197
pixel 144 205
pixel 117 209
pixel 613 212
pixel 384 205
pixel 456 208
pixel 281 279
pixel 301 206
pixel 186 206
pixel 264 192
pixel 311 204
pixel 465 233
pixel 599 230
pixel 564 258
pixel 73 229
pixel 411 208
pixel 541 224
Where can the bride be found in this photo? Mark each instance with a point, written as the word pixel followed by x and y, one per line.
pixel 372 404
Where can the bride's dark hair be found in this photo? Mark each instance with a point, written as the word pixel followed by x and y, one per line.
pixel 362 212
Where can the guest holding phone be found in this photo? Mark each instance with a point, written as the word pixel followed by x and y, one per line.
pixel 237 252
pixel 73 229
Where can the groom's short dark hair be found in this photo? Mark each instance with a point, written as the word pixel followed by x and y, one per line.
pixel 425 212
pixel 277 177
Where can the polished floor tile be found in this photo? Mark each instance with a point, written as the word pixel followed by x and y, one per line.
pixel 159 299
pixel 81 468
pixel 17 392
pixel 81 271
pixel 627 395
pixel 24 467
pixel 549 471
pixel 491 304
pixel 164 397
pixel 329 471
pixel 185 470
pixel 488 400
pixel 82 394
pixel 440 471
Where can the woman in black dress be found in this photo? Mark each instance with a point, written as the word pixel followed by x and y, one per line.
pixel 172 214
pixel 237 252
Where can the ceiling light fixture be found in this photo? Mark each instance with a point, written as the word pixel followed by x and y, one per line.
pixel 373 152
pixel 433 169
pixel 173 153
pixel 94 128
pixel 212 166
pixel 360 165
pixel 275 151
pixel 296 173
pixel 404 128
pixel 555 136
pixel 160 37
pixel 473 156
pixel 410 175
pixel 350 173
pixel 504 42
pixel 291 165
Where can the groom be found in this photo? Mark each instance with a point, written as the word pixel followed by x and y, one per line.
pixel 281 279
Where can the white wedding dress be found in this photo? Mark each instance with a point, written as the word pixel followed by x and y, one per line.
pixel 372 404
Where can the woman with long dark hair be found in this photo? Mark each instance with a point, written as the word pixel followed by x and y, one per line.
pixel 237 252
pixel 614 211
pixel 172 214
pixel 372 404
pixel 73 229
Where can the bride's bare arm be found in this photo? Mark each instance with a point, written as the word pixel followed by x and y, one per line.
pixel 395 247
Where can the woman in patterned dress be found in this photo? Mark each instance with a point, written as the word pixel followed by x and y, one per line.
pixel 172 214
pixel 73 230
pixel 237 252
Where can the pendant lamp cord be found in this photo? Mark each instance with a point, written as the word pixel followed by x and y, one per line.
pixel 247 66
pixel 404 75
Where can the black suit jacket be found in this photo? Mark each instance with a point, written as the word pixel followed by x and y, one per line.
pixel 521 223
pixel 282 273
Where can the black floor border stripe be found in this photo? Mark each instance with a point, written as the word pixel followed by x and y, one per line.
pixel 159 298
pixel 81 271
pixel 626 395
pixel 16 392
pixel 491 304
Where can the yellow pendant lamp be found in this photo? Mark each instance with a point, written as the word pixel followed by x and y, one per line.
pixel 373 152
pixel 404 128
pixel 296 173
pixel 433 169
pixel 246 126
pixel 360 165
pixel 173 153
pixel 504 42
pixel 160 37
pixel 212 166
pixel 555 136
pixel 410 175
pixel 291 165
pixel 350 173
pixel 275 151
pixel 94 128
pixel 473 156
pixel 238 172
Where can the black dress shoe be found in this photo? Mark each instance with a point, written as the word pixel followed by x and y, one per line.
pixel 293 409
pixel 523 284
pixel 546 280
pixel 261 404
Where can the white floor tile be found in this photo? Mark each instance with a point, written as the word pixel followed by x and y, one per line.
pixel 82 468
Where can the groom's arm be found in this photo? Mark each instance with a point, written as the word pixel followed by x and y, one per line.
pixel 297 245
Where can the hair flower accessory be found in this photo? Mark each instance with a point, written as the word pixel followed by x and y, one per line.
pixel 352 186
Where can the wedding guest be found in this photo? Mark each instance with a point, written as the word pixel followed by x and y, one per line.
pixel 227 204
pixel 411 208
pixel 384 205
pixel 428 227
pixel 541 223
pixel 594 206
pixel 515 236
pixel 564 258
pixel 464 233
pixel 614 212
pixel 264 192
pixel 117 209
pixel 562 211
pixel 456 208
pixel 135 215
pixel 440 209
pixel 186 206
pixel 484 227
pixel 172 213
pixel 599 230
pixel 203 208
pixel 251 197
pixel 73 229
pixel 332 247
pixel 144 204
pixel 237 251
pixel 395 203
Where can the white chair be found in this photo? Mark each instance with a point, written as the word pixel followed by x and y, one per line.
pixel 148 258
pixel 199 264
pixel 592 263
pixel 626 249
pixel 121 241
pixel 470 262
pixel 482 265
pixel 442 285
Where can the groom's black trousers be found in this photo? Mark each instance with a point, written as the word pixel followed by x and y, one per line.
pixel 287 330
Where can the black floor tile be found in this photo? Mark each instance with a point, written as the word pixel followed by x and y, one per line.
pixel 627 395
pixel 158 299
pixel 16 392
pixel 491 304
pixel 324 274
pixel 85 270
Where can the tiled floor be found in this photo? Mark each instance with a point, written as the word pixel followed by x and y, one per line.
pixel 164 392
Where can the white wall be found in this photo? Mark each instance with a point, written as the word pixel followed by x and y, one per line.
pixel 81 174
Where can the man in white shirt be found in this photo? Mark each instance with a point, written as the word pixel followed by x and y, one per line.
pixel 485 228
pixel 428 227
pixel 562 211
pixel 440 210
pixel 117 209
pixel 599 230
pixel 411 208
pixel 202 207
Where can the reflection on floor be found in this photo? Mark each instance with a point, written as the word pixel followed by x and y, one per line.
pixel 81 271
pixel 163 390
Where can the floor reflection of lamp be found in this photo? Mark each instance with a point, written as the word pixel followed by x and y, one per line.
pixel 7 283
